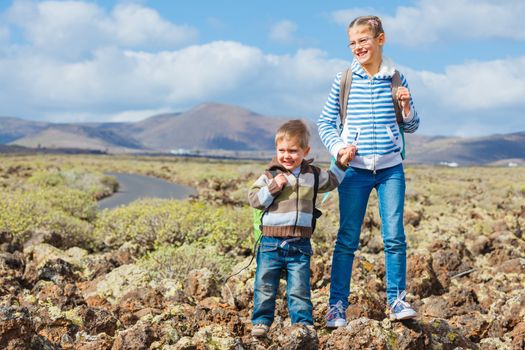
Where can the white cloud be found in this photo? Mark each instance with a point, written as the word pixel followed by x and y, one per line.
pixel 476 86
pixel 135 26
pixel 475 98
pixel 113 80
pixel 138 83
pixel 72 29
pixel 428 20
pixel 283 31
pixel 110 76
pixel 136 115
pixel 195 72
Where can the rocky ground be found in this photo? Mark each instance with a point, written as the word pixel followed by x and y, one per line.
pixel 466 279
pixel 468 297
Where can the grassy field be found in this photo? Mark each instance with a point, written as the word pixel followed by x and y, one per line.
pixel 58 194
pixel 456 219
pixel 41 190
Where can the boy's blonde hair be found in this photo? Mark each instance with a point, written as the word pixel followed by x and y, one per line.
pixel 294 129
pixel 373 23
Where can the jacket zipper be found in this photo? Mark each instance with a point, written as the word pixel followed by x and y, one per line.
pixel 296 203
pixel 373 125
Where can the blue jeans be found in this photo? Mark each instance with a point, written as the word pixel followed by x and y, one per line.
pixel 353 198
pixel 274 255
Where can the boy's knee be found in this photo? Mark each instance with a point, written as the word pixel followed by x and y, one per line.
pixel 265 288
pixel 301 290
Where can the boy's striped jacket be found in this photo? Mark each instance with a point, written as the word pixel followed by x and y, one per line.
pixel 371 120
pixel 289 211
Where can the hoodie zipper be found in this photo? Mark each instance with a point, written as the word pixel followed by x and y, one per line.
pixel 373 124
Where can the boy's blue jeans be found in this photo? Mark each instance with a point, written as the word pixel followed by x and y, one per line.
pixel 353 198
pixel 293 256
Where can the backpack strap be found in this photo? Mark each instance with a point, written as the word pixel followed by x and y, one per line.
pixel 344 91
pixel 273 173
pixel 396 83
pixel 316 212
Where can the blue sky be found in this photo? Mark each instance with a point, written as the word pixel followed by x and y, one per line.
pixel 78 61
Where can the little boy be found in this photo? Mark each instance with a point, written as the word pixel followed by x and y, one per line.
pixel 287 200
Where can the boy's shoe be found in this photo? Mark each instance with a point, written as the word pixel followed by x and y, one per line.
pixel 336 316
pixel 260 330
pixel 400 309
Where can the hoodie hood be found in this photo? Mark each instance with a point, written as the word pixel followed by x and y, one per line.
pixel 386 70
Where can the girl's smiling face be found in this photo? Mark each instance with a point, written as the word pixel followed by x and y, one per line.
pixel 366 47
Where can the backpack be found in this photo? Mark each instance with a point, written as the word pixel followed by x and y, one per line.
pixel 259 213
pixel 344 90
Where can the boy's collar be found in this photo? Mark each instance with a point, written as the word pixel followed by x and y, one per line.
pixel 275 165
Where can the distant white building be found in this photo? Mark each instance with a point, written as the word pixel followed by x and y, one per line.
pixel 184 151
pixel 449 164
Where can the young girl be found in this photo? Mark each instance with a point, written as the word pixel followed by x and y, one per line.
pixel 371 138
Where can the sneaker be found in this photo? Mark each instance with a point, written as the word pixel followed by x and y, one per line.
pixel 400 309
pixel 260 330
pixel 336 316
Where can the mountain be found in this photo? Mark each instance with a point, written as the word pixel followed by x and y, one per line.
pixel 214 128
pixel 79 136
pixel 461 150
pixel 13 128
pixel 211 126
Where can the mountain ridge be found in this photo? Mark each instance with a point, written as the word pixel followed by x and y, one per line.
pixel 216 127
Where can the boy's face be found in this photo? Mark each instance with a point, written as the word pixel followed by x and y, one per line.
pixel 290 154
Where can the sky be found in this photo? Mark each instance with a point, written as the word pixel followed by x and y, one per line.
pixel 111 61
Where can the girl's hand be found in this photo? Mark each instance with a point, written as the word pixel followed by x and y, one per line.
pixel 403 96
pixel 281 180
pixel 347 154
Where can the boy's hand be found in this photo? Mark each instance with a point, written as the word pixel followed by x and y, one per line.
pixel 403 96
pixel 281 180
pixel 347 154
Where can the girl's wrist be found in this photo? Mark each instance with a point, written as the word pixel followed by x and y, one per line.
pixel 407 112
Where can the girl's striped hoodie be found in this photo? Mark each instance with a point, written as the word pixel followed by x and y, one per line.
pixel 289 210
pixel 371 120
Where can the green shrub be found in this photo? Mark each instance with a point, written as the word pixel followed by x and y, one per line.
pixel 71 201
pixel 18 215
pixel 155 222
pixel 94 184
pixel 24 212
pixel 170 262
pixel 73 231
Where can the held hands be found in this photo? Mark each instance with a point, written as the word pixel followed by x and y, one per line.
pixel 403 96
pixel 281 180
pixel 346 154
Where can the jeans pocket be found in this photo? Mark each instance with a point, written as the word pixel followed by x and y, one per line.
pixel 302 249
pixel 266 248
pixel 305 251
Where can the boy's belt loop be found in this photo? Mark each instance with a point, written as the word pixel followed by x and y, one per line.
pixel 286 241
